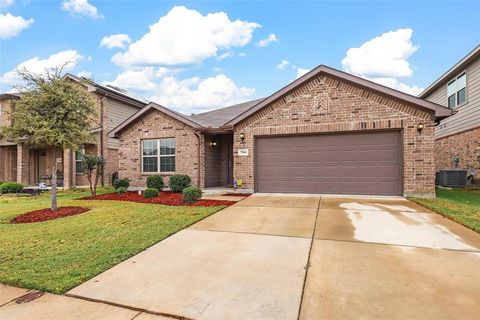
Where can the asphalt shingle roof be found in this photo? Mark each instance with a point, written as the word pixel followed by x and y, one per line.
pixel 217 118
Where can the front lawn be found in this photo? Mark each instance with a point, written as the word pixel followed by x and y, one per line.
pixel 58 255
pixel 461 205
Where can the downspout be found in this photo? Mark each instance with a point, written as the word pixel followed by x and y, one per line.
pixel 197 133
pixel 102 181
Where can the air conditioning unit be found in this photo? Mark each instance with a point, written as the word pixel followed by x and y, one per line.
pixel 456 178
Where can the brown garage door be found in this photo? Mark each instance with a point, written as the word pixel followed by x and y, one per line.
pixel 355 163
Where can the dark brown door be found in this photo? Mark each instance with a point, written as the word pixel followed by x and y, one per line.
pixel 354 163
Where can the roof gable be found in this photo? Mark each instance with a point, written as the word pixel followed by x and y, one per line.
pixel 438 110
pixel 154 106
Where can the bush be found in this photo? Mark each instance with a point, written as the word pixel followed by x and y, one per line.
pixel 150 193
pixel 114 177
pixel 11 187
pixel 121 183
pixel 155 182
pixel 191 194
pixel 121 190
pixel 178 182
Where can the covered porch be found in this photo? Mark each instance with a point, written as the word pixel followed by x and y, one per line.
pixel 219 160
pixel 34 166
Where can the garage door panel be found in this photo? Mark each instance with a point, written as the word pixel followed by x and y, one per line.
pixel 360 163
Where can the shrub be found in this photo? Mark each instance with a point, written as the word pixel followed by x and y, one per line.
pixel 155 182
pixel 121 190
pixel 191 194
pixel 114 177
pixel 121 183
pixel 150 193
pixel 178 182
pixel 11 187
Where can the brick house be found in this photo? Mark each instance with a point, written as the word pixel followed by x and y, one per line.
pixel 459 135
pixel 31 166
pixel 326 132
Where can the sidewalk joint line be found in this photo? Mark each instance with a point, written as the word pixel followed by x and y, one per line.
pixel 307 266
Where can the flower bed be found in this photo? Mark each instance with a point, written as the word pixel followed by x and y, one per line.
pixel 165 197
pixel 47 214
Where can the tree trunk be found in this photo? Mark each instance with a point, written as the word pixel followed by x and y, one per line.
pixel 54 182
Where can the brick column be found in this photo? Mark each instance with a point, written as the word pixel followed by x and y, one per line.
pixel 68 170
pixel 23 164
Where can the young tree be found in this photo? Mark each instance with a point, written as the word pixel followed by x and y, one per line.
pixel 52 112
pixel 94 167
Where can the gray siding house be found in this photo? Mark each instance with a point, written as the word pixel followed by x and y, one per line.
pixel 458 135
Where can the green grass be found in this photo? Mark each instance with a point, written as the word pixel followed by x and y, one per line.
pixel 460 205
pixel 58 255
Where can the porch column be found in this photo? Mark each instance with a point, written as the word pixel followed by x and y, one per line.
pixel 68 170
pixel 23 164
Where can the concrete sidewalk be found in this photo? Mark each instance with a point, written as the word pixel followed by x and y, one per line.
pixel 49 306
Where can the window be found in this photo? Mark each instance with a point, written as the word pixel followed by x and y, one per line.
pixel 456 90
pixel 78 160
pixel 158 156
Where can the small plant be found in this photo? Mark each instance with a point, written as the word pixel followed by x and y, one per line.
pixel 155 182
pixel 150 193
pixel 11 187
pixel 121 190
pixel 191 194
pixel 178 182
pixel 94 167
pixel 121 183
pixel 114 177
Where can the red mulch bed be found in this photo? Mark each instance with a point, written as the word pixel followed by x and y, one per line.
pixel 237 194
pixel 47 214
pixel 165 197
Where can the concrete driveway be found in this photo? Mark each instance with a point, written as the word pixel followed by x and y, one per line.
pixel 307 257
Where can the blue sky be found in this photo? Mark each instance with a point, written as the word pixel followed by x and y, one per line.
pixel 202 55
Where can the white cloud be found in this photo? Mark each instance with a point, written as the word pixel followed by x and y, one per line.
pixel 6 3
pixel 267 41
pixel 395 84
pixel 218 70
pixel 301 72
pixel 383 56
pixel 115 41
pixel 82 8
pixel 11 25
pixel 282 65
pixel 196 94
pixel 40 66
pixel 185 36
pixel 85 74
pixel 242 54
pixel 225 55
pixel 384 59
pixel 141 80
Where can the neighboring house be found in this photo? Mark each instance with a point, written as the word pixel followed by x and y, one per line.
pixel 31 166
pixel 326 132
pixel 459 135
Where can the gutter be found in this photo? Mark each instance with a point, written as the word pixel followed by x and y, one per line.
pixel 102 118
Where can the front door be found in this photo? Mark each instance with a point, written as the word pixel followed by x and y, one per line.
pixel 41 165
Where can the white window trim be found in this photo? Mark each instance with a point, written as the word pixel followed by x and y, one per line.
pixel 82 150
pixel 158 156
pixel 454 80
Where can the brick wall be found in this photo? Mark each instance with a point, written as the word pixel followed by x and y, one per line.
pixel 325 104
pixel 465 145
pixel 156 125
